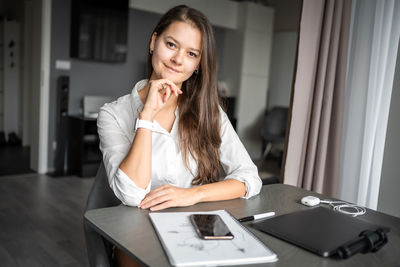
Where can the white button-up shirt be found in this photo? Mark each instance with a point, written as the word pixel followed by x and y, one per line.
pixel 116 124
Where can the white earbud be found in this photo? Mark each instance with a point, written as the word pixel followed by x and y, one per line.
pixel 310 201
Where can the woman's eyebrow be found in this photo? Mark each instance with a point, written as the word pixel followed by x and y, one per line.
pixel 176 41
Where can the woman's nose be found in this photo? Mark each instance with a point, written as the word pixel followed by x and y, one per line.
pixel 178 57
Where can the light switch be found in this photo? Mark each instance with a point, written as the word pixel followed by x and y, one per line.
pixel 63 65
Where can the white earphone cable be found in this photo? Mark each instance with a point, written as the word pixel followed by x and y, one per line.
pixel 345 207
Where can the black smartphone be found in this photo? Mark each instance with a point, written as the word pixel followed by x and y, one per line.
pixel 210 226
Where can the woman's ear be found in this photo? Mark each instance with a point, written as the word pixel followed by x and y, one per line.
pixel 153 41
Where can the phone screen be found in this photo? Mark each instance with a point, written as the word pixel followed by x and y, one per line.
pixel 210 226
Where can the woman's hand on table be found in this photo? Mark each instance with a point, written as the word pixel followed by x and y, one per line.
pixel 167 196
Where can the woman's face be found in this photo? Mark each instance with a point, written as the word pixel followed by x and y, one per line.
pixel 176 52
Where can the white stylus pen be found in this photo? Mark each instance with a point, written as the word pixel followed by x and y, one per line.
pixel 257 217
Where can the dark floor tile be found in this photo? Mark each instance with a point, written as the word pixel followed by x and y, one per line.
pixel 41 220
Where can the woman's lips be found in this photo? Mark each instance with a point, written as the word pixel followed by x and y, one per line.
pixel 171 69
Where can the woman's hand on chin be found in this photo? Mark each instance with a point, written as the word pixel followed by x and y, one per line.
pixel 167 196
pixel 158 94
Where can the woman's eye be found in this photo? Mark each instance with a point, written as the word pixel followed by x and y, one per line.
pixel 192 54
pixel 169 44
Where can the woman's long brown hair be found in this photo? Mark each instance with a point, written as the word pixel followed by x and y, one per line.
pixel 199 117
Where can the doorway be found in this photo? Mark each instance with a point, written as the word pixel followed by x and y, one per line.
pixel 25 110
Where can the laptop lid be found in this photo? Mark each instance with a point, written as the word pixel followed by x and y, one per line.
pixel 319 230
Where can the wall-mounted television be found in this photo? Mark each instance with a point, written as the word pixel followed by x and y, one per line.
pixel 99 30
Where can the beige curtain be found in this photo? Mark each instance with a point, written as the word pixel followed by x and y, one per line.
pixel 315 127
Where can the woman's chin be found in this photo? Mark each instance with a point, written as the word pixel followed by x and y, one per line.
pixel 173 79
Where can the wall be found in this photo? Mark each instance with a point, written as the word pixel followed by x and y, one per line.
pixel 32 63
pixel 30 32
pixel 287 14
pixel 284 46
pixel 230 64
pixel 282 68
pixel 221 13
pixel 11 14
pixel 389 195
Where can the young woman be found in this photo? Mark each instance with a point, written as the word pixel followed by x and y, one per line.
pixel 163 144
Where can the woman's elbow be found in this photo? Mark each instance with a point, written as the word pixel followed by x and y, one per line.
pixel 126 190
pixel 253 187
pixel 128 199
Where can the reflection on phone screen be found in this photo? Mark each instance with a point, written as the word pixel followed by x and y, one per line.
pixel 211 226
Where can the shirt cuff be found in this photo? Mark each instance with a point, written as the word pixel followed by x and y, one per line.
pixel 253 186
pixel 126 190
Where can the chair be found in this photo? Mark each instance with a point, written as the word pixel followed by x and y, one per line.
pixel 271 180
pixel 273 132
pixel 273 129
pixel 101 196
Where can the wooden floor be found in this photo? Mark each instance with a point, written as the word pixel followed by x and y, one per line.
pixel 41 220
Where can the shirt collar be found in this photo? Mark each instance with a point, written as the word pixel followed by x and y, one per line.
pixel 136 101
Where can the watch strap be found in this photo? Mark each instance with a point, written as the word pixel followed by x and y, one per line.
pixel 143 124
